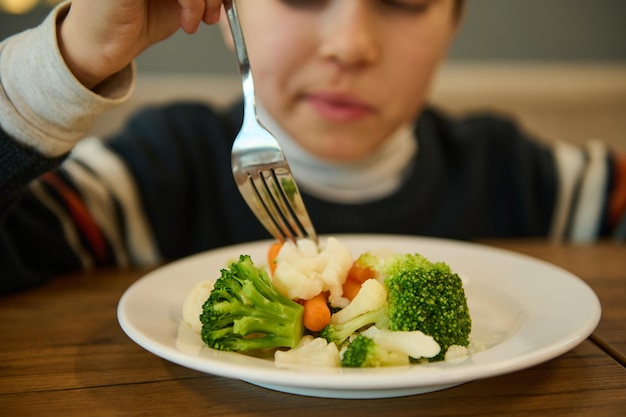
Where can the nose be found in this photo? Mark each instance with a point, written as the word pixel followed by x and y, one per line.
pixel 348 33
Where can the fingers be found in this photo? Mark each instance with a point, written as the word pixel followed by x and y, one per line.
pixel 212 11
pixel 193 12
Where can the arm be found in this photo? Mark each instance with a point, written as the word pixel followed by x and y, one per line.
pixel 55 79
pixel 591 197
pixel 48 101
pixel 616 211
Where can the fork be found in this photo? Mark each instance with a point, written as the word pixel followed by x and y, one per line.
pixel 259 166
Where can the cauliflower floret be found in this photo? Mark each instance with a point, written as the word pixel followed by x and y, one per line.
pixel 456 354
pixel 303 271
pixel 313 352
pixel 414 343
pixel 192 307
pixel 372 296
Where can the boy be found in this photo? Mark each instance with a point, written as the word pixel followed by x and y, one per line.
pixel 341 83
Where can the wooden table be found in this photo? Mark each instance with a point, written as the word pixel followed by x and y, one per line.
pixel 62 353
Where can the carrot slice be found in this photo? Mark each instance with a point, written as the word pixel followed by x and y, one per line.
pixel 360 273
pixel 316 313
pixel 351 288
pixel 272 254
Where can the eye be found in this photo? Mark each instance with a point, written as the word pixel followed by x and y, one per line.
pixel 304 4
pixel 412 6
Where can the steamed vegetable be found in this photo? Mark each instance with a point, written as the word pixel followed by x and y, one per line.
pixel 369 307
pixel 419 296
pixel 245 312
pixel 321 307
pixel 375 347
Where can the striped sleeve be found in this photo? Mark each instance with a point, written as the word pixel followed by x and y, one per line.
pixel 617 199
pixel 591 199
pixel 94 198
pixel 109 170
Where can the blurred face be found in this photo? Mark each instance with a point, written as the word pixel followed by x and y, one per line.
pixel 340 76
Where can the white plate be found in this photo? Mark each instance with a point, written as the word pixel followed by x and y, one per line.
pixel 525 310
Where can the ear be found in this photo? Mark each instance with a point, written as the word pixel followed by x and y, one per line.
pixel 225 28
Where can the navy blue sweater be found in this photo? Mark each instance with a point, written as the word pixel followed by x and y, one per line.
pixel 473 178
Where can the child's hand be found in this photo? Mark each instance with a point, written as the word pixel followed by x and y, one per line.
pixel 99 38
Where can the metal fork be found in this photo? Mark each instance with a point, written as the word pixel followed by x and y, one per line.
pixel 260 168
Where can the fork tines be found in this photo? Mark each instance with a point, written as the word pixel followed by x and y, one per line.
pixel 278 198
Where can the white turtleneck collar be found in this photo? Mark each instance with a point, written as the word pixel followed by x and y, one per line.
pixel 375 177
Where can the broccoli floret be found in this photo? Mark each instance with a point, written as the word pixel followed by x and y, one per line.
pixel 364 352
pixel 371 261
pixel 367 308
pixel 245 312
pixel 426 296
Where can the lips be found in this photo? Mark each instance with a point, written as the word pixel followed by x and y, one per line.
pixel 339 107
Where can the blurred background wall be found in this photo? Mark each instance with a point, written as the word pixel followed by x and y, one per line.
pixel 558 66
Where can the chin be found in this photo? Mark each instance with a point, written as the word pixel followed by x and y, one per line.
pixel 340 155
pixel 338 147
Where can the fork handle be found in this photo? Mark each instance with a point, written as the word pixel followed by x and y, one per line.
pixel 241 52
